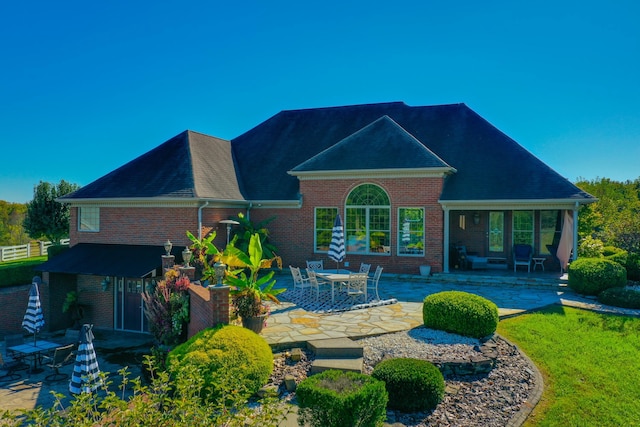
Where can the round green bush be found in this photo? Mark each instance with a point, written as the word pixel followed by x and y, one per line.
pixel 412 384
pixel 590 276
pixel 620 297
pixel 461 313
pixel 228 357
pixel 341 399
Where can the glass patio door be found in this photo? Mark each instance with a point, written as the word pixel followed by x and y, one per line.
pixel 129 310
pixel 496 232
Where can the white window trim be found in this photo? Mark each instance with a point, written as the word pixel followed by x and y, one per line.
pixel 424 233
pixel 97 220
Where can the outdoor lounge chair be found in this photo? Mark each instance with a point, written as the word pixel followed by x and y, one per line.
pixel 315 283
pixel 11 341
pixel 522 255
pixel 364 268
pixel 315 265
pixel 372 283
pixel 298 280
pixel 9 367
pixel 61 356
pixel 357 285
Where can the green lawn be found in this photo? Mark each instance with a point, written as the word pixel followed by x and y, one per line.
pixel 590 363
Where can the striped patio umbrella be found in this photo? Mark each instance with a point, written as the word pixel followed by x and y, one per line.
pixel 33 319
pixel 85 378
pixel 336 248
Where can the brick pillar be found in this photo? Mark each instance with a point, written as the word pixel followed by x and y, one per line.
pixel 220 304
pixel 208 307
pixel 190 272
pixel 167 262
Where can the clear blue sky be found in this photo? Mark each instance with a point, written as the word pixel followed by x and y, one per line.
pixel 86 86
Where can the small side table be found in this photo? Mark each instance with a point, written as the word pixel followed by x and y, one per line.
pixel 538 262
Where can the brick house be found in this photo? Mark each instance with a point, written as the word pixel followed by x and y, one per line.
pixel 409 182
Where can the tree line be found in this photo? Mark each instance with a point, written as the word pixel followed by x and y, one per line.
pixel 41 218
pixel 614 218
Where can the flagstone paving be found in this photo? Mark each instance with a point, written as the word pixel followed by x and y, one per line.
pixel 290 326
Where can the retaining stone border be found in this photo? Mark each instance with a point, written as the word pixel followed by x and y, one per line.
pixel 484 362
pixel 479 364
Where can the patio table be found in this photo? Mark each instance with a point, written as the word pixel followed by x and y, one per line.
pixel 342 276
pixel 34 350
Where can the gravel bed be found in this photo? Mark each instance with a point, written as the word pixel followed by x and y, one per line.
pixel 488 400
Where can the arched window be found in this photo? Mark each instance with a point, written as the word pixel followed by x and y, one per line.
pixel 368 220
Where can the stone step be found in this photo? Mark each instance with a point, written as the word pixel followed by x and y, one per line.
pixel 335 348
pixel 350 364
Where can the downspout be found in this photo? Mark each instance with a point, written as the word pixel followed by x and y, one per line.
pixel 200 219
pixel 575 232
pixel 248 211
pixel 445 254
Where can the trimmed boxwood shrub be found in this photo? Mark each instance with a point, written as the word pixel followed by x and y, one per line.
pixel 620 297
pixel 633 266
pixel 616 255
pixel 341 399
pixel 461 313
pixel 412 384
pixel 590 276
pixel 225 355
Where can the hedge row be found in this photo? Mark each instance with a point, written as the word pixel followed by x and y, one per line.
pixel 21 273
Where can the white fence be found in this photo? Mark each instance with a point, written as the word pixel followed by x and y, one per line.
pixel 39 248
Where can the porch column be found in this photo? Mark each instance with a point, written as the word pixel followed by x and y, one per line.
pixel 445 254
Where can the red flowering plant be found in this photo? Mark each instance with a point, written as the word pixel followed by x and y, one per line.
pixel 167 308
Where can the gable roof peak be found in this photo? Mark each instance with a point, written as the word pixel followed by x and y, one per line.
pixel 381 145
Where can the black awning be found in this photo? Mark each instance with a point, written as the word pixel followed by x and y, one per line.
pixel 106 260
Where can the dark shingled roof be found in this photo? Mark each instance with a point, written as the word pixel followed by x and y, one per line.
pixel 382 144
pixel 189 165
pixel 105 260
pixel 254 166
pixel 489 164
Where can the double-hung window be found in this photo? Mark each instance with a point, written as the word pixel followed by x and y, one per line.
pixel 88 218
pixel 411 231
pixel 324 220
pixel 523 228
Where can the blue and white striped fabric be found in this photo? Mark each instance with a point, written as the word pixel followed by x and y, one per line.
pixel 85 377
pixel 336 248
pixel 33 319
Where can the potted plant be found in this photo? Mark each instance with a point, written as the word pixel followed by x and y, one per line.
pixel 72 305
pixel 249 290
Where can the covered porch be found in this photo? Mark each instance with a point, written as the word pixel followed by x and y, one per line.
pixel 480 236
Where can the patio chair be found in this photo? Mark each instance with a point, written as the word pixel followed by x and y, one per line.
pixel 9 366
pixel 357 285
pixel 364 268
pixel 11 341
pixel 522 255
pixel 299 281
pixel 315 265
pixel 372 283
pixel 315 283
pixel 61 356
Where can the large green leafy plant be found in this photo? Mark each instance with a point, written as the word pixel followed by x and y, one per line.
pixel 250 290
pixel 246 230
